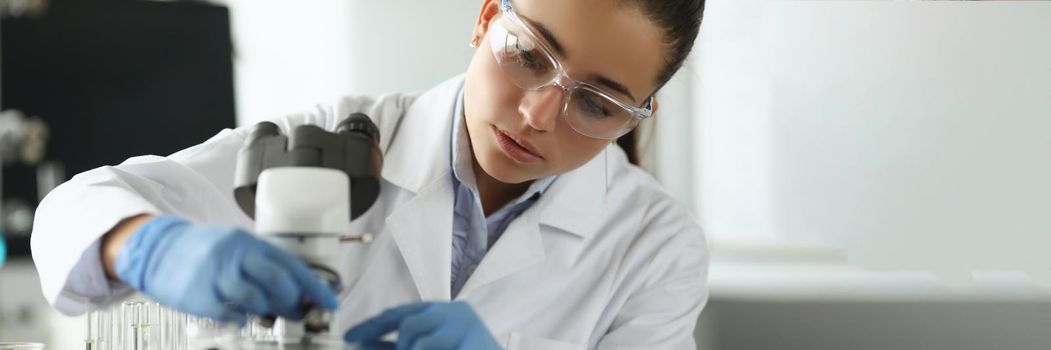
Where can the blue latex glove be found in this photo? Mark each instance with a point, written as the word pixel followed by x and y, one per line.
pixel 221 273
pixel 427 325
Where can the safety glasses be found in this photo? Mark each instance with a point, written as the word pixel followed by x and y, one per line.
pixel 530 64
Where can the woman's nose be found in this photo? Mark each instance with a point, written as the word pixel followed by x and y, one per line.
pixel 542 108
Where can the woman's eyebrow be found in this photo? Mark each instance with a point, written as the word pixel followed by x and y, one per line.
pixel 598 78
pixel 550 38
pixel 612 85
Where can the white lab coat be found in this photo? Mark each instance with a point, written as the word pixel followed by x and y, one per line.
pixel 586 267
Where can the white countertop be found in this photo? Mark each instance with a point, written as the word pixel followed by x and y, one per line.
pixel 798 273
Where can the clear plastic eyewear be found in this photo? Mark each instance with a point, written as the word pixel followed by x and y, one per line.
pixel 530 65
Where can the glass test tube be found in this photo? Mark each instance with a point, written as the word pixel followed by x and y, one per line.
pixel 91 342
pixel 139 321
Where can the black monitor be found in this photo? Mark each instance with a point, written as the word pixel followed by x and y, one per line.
pixel 114 79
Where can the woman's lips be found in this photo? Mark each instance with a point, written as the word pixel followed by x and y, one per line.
pixel 516 148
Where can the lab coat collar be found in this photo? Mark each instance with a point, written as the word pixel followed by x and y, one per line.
pixel 420 153
pixel 575 202
pixel 418 161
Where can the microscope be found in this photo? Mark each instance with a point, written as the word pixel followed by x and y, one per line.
pixel 303 191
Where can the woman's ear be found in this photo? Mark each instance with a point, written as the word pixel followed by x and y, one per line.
pixel 490 10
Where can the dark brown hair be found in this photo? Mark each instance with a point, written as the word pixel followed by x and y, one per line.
pixel 680 21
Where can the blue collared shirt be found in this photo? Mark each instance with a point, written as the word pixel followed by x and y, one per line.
pixel 473 232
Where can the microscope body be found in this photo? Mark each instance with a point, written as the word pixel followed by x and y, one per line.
pixel 303 193
pixel 304 211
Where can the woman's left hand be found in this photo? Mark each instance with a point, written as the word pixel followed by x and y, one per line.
pixel 426 325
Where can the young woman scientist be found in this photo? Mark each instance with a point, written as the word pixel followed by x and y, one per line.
pixel 507 216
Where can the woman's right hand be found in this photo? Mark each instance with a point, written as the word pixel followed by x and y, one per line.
pixel 217 272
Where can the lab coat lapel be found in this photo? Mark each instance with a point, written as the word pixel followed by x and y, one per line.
pixel 577 202
pixel 418 162
pixel 419 151
pixel 422 230
pixel 518 248
pixel 574 204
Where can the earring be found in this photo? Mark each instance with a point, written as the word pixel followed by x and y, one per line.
pixel 474 43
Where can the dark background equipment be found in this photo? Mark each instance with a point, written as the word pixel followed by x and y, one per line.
pixel 112 79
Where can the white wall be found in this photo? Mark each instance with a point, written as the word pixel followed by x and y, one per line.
pixel 291 55
pixel 913 135
pixel 730 141
pixel 409 45
pixel 910 135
